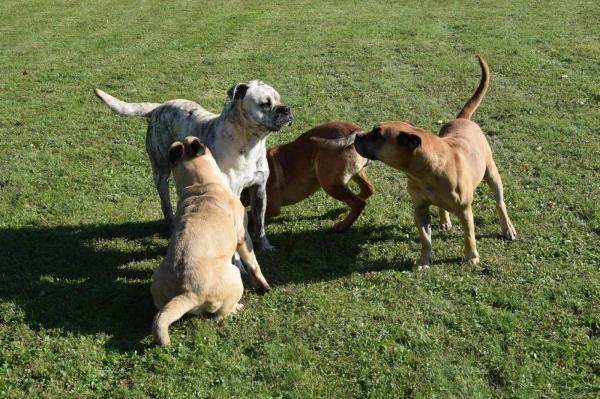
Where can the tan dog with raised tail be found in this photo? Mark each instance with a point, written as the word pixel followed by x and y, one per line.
pixel 197 275
pixel 443 170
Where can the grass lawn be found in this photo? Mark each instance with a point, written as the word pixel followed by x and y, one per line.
pixel 80 221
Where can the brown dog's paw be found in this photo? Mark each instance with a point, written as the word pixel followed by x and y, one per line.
pixel 510 233
pixel 339 227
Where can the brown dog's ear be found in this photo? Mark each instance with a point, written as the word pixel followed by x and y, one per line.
pixel 197 147
pixel 176 151
pixel 409 140
pixel 409 122
pixel 237 91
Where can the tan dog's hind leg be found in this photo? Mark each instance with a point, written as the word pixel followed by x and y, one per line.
pixel 492 178
pixel 466 219
pixel 445 223
pixel 172 311
pixel 366 187
pixel 246 252
pixel 423 222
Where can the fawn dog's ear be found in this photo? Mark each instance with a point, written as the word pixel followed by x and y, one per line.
pixel 196 147
pixel 175 152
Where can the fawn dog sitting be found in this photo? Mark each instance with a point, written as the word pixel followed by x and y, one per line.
pixel 197 275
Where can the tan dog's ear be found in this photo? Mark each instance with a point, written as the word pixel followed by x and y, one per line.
pixel 409 140
pixel 238 91
pixel 175 152
pixel 197 147
pixel 409 122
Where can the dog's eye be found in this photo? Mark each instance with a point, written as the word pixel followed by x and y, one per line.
pixel 266 104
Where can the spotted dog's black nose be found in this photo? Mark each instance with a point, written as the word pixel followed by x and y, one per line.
pixel 284 109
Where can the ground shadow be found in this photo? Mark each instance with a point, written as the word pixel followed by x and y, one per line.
pixel 304 256
pixel 73 278
pixel 83 279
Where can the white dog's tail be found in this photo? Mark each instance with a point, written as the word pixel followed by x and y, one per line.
pixel 172 311
pixel 123 108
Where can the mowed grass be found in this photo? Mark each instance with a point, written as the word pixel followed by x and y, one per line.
pixel 80 222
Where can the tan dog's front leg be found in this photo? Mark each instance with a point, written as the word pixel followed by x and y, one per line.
pixel 466 218
pixel 423 222
pixel 246 252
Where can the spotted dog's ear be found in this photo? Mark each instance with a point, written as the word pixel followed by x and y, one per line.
pixel 238 91
pixel 176 151
pixel 197 147
pixel 409 140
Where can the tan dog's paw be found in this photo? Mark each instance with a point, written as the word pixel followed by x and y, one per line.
pixel 472 259
pixel 237 308
pixel 260 285
pixel 446 226
pixel 510 233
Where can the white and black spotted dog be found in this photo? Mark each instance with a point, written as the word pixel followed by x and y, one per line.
pixel 236 137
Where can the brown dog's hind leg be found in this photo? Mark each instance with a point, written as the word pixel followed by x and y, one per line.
pixel 333 185
pixel 492 178
pixel 366 187
pixel 466 218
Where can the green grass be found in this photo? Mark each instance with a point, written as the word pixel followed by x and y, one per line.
pixel 80 220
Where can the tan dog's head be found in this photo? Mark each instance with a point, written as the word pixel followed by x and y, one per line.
pixel 393 143
pixel 193 163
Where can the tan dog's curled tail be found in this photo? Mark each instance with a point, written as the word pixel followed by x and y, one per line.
pixel 171 312
pixel 474 101
pixel 335 144
pixel 124 108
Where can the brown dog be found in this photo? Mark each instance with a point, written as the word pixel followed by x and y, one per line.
pixel 298 169
pixel 442 170
pixel 197 276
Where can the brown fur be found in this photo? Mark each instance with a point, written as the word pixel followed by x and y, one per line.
pixel 298 169
pixel 443 170
pixel 197 276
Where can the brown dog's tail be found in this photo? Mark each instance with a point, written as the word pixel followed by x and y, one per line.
pixel 335 144
pixel 474 102
pixel 172 311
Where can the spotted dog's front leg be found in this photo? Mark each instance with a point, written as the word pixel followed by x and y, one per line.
pixel 258 204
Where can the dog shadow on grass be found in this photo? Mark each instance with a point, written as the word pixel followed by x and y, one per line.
pixel 96 278
pixel 83 279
